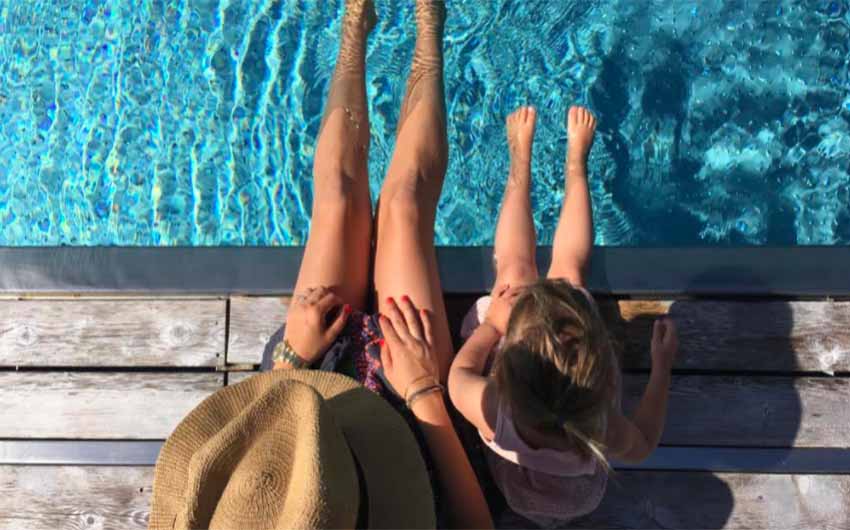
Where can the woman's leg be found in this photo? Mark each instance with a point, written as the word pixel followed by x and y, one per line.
pixel 514 253
pixel 337 254
pixel 574 235
pixel 405 259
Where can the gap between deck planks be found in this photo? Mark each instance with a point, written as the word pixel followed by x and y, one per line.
pixel 715 335
pixel 114 333
pixel 779 411
pixel 47 497
pixel 743 411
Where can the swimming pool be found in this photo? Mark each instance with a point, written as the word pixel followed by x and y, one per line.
pixel 193 122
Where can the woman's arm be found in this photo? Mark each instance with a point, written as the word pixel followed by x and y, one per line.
pixel 469 390
pixel 315 320
pixel 459 486
pixel 410 365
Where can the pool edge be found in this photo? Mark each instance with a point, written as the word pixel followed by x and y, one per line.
pixel 780 271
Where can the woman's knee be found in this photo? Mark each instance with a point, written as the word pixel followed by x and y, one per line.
pixel 428 156
pixel 337 195
pixel 411 201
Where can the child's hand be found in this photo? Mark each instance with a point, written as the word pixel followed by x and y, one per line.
pixel 501 305
pixel 665 344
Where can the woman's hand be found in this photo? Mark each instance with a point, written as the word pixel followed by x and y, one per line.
pixel 315 318
pixel 665 344
pixel 408 352
pixel 502 303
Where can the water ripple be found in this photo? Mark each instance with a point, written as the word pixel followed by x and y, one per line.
pixel 194 122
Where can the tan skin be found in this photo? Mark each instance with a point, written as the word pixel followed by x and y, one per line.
pixel 334 273
pixel 472 392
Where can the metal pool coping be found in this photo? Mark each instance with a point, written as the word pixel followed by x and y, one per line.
pixel 715 459
pixel 814 271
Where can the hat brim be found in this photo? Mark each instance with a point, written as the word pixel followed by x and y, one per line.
pixel 398 488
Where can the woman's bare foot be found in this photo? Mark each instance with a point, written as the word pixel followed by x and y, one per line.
pixel 430 14
pixel 360 15
pixel 581 126
pixel 520 127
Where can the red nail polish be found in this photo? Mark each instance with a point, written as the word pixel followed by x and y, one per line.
pixel 346 309
pixel 381 343
pixel 405 298
pixel 390 300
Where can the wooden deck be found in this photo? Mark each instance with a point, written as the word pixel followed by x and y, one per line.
pixel 757 435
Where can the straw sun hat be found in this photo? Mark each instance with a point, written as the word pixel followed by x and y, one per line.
pixel 292 449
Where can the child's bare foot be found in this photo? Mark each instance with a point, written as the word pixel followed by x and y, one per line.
pixel 581 126
pixel 520 126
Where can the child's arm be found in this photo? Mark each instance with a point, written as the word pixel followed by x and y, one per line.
pixel 469 389
pixel 574 235
pixel 634 440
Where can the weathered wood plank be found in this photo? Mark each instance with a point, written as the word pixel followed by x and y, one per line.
pixel 739 501
pixel 99 405
pixel 47 497
pixel 743 411
pixel 735 335
pixel 237 377
pixel 112 332
pixel 750 411
pixel 50 497
pixel 253 320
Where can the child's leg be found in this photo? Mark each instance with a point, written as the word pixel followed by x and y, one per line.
pixel 574 235
pixel 514 253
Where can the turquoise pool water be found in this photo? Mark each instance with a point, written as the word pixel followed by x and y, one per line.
pixel 193 122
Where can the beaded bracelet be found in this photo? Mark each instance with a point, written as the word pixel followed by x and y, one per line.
pixel 284 352
pixel 421 392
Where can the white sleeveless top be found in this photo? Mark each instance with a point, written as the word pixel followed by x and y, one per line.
pixel 546 486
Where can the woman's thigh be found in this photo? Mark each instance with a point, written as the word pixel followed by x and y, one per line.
pixel 405 257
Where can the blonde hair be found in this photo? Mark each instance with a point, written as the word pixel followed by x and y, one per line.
pixel 555 370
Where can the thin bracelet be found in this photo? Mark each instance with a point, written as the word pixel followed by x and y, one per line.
pixel 419 393
pixel 412 383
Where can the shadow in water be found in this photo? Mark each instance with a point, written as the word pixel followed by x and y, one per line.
pixel 651 171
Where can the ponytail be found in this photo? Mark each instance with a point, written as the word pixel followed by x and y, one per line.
pixel 554 370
